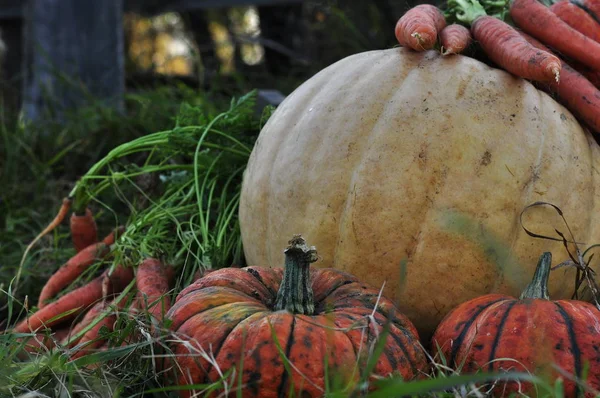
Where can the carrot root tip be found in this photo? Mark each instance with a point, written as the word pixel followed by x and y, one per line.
pixel 419 38
pixel 446 52
pixel 556 72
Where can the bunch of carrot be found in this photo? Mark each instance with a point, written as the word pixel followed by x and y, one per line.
pixel 188 222
pixel 557 47
pixel 96 303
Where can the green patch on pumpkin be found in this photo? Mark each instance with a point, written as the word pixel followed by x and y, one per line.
pixel 494 248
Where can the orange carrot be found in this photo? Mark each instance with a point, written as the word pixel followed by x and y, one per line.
pixel 71 270
pixel 153 279
pixel 83 230
pixel 113 236
pixel 62 213
pixel 592 7
pixel 79 299
pixel 454 39
pixel 91 339
pixel 75 266
pixel 153 284
pixel 540 22
pixel 419 27
pixel 592 75
pixel 575 92
pixel 76 301
pixel 577 18
pixel 71 339
pixel 506 47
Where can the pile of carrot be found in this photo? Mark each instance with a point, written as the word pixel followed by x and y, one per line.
pixel 74 321
pixel 84 297
pixel 556 47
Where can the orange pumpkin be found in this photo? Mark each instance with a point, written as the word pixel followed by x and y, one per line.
pixel 323 321
pixel 531 333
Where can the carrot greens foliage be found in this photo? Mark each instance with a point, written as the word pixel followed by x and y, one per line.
pixel 183 192
pixel 176 191
pixel 466 11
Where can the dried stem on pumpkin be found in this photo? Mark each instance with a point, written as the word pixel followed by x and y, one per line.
pixel 584 272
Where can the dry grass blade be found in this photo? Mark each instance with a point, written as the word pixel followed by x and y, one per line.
pixel 577 260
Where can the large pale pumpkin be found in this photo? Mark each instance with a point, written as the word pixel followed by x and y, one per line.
pixel 412 169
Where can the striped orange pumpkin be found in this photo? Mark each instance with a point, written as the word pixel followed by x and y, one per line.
pixel 321 319
pixel 533 333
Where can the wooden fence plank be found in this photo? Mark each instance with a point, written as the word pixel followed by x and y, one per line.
pixel 73 51
pixel 12 63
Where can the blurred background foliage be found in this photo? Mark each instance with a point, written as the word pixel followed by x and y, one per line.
pixel 277 46
pixel 200 58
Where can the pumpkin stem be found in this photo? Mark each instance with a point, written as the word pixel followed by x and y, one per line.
pixel 295 293
pixel 538 288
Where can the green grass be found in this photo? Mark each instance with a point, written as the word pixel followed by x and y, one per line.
pixel 170 169
pixel 187 216
pixel 39 163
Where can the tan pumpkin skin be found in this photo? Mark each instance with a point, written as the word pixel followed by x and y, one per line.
pixel 412 169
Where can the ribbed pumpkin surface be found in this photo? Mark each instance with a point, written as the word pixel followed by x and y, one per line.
pixel 497 332
pixel 412 169
pixel 228 313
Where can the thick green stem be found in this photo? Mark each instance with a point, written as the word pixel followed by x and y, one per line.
pixel 295 293
pixel 538 288
pixel 466 11
pixel 142 144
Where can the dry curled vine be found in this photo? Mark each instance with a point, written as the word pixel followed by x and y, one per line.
pixel 578 259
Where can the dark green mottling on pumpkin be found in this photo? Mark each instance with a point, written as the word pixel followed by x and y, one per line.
pixel 466 327
pixel 403 272
pixel 288 348
pixel 253 380
pixel 402 346
pixel 255 274
pixel 495 249
pixel 575 349
pixel 499 331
